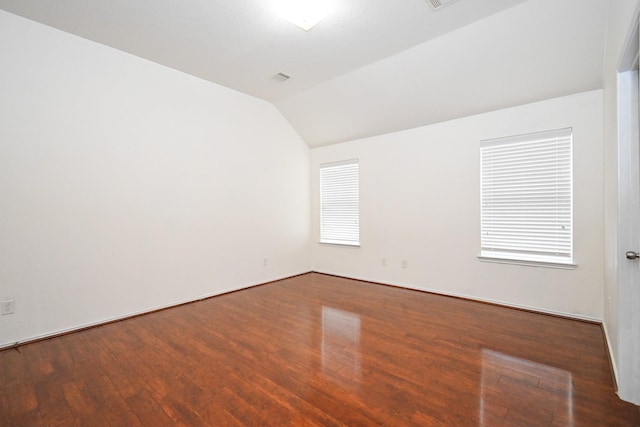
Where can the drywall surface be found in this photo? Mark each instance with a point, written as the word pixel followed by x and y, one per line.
pixel 536 50
pixel 420 203
pixel 127 186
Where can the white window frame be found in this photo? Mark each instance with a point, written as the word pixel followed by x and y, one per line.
pixel 526 192
pixel 340 203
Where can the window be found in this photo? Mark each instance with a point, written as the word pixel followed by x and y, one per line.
pixel 526 198
pixel 339 203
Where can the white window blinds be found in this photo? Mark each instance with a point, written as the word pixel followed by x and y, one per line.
pixel 340 203
pixel 526 197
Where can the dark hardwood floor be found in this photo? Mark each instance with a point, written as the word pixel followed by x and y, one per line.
pixel 317 350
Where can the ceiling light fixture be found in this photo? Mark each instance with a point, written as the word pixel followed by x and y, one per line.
pixel 304 13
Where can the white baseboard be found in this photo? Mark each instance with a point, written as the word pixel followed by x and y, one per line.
pixel 471 298
pixel 145 311
pixel 612 360
pixel 258 283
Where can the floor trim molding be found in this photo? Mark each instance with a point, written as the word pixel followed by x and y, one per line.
pixel 612 361
pixel 536 310
pixel 255 284
pixel 62 332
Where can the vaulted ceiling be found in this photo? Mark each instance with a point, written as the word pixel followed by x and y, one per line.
pixel 371 67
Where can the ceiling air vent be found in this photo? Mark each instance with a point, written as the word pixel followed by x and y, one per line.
pixel 281 77
pixel 439 4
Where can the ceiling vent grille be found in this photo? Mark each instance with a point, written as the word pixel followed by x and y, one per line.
pixel 439 4
pixel 281 77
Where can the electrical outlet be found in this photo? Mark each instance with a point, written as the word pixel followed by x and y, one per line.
pixel 404 264
pixel 383 262
pixel 265 262
pixel 7 307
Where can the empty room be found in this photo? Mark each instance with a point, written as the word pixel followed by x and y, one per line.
pixel 319 213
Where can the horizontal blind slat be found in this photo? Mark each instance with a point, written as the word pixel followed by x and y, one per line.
pixel 526 195
pixel 339 203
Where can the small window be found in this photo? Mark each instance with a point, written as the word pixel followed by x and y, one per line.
pixel 340 203
pixel 526 198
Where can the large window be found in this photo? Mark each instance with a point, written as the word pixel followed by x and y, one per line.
pixel 340 203
pixel 526 198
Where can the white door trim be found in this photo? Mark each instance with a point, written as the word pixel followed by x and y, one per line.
pixel 628 313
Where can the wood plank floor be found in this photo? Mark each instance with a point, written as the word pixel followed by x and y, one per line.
pixel 317 350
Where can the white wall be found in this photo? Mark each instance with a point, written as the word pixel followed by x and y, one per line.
pixel 126 186
pixel 622 14
pixel 420 202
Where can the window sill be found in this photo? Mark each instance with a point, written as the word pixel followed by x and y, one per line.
pixel 543 264
pixel 338 243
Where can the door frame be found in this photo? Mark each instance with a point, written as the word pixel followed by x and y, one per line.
pixel 628 301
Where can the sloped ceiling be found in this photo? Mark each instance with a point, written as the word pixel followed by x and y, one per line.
pixel 539 50
pixel 372 67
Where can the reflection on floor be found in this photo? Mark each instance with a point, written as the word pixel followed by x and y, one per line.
pixel 341 345
pixel 513 382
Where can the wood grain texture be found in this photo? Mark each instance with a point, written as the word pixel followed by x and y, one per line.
pixel 317 350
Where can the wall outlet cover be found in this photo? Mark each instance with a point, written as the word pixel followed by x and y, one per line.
pixel 7 307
